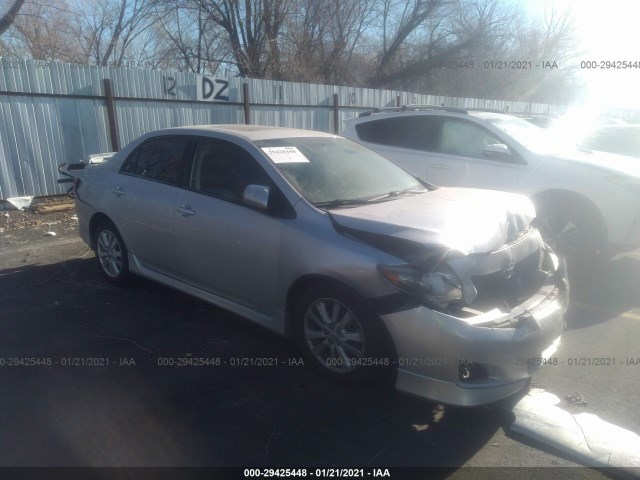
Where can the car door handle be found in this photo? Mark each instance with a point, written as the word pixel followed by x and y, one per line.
pixel 118 191
pixel 440 166
pixel 185 210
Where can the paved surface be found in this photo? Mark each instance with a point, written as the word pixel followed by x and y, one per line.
pixel 135 412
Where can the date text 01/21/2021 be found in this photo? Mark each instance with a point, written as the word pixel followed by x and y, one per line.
pixel 189 361
pixel 67 362
pixel 504 64
pixel 318 472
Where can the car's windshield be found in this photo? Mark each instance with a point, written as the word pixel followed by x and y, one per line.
pixel 325 170
pixel 531 136
pixel 621 140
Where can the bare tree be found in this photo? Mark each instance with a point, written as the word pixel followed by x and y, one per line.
pixel 8 18
pixel 323 37
pixel 550 44
pixel 45 32
pixel 109 28
pixel 253 29
pixel 553 40
pixel 420 36
pixel 406 44
pixel 540 49
pixel 401 20
pixel 192 41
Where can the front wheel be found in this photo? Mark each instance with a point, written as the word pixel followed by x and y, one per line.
pixel 111 253
pixel 570 232
pixel 340 337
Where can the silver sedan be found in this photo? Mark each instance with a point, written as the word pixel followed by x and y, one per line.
pixel 448 292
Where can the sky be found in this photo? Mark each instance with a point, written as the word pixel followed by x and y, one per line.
pixel 608 30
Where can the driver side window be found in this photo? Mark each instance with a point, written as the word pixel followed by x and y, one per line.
pixel 464 139
pixel 224 170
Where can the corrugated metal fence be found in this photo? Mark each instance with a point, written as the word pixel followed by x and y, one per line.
pixel 51 113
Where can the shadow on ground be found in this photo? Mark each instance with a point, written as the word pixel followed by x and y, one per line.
pixel 84 383
pixel 603 289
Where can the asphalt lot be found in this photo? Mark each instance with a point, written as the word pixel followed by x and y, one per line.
pixel 133 408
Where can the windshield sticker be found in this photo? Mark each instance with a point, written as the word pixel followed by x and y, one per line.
pixel 285 155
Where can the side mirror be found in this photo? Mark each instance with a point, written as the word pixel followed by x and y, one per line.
pixel 256 196
pixel 496 150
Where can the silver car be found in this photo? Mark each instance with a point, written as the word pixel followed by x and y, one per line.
pixel 448 292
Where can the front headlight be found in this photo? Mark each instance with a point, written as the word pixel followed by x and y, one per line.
pixel 437 288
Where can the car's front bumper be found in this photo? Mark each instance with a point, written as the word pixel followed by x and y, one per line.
pixel 435 351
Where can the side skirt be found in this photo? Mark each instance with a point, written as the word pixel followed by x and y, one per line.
pixel 275 324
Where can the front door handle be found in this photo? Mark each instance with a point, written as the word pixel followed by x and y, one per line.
pixel 185 210
pixel 440 166
pixel 118 191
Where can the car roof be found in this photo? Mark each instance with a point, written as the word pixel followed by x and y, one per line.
pixel 492 115
pixel 628 128
pixel 430 110
pixel 247 132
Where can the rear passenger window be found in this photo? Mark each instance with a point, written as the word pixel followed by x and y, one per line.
pixel 418 132
pixel 160 159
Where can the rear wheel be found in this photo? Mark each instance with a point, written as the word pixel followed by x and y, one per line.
pixel 111 253
pixel 340 338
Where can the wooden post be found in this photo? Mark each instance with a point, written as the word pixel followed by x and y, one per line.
pixel 113 118
pixel 336 114
pixel 245 104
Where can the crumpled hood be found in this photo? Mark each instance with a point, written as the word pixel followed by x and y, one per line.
pixel 463 219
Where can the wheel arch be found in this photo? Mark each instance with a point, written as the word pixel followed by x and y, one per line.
pixel 573 200
pixel 308 281
pixel 96 220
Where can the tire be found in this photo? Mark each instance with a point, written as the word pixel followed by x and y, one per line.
pixel 111 254
pixel 332 327
pixel 570 231
pixel 567 299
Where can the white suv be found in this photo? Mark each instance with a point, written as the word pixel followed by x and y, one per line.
pixel 586 202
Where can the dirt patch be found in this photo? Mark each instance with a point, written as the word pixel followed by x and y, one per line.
pixel 22 226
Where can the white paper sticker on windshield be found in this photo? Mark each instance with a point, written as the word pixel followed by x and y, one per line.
pixel 285 155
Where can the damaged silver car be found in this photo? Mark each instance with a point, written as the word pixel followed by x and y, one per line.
pixel 449 292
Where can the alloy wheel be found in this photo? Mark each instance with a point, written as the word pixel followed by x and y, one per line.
pixel 109 253
pixel 561 234
pixel 334 335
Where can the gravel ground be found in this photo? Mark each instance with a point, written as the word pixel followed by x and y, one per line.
pixel 22 226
